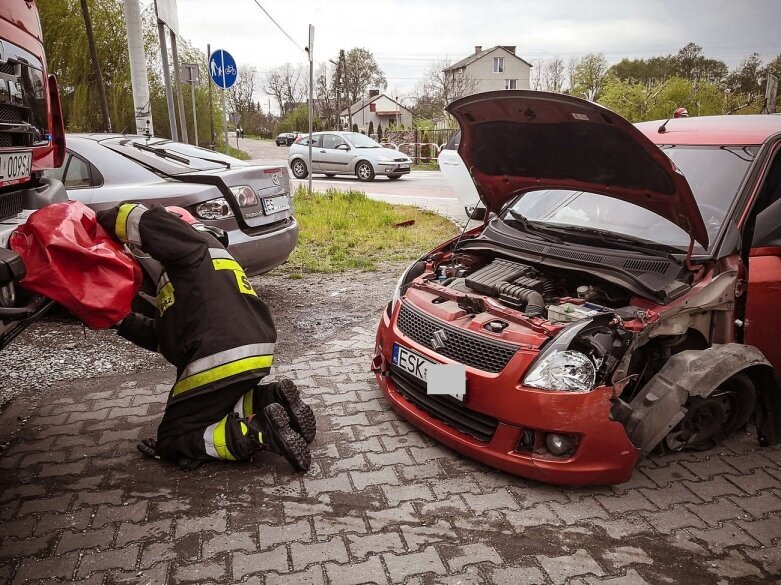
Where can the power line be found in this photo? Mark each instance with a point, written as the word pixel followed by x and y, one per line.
pixel 284 32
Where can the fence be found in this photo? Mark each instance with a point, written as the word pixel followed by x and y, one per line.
pixel 419 145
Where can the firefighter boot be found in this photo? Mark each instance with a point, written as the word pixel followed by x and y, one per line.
pixel 302 419
pixel 273 432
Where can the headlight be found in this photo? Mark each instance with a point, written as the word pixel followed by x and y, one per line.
pixel 219 208
pixel 567 370
pixel 397 292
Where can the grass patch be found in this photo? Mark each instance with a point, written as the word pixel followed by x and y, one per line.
pixel 236 153
pixel 343 230
pixel 425 166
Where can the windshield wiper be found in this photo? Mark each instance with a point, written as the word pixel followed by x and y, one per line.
pixel 530 229
pixel 214 160
pixel 161 152
pixel 368 147
pixel 627 242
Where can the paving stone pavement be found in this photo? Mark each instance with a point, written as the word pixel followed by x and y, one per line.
pixel 382 503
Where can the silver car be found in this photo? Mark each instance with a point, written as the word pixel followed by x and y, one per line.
pixel 252 203
pixel 346 153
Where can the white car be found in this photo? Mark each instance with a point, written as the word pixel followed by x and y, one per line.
pixel 459 179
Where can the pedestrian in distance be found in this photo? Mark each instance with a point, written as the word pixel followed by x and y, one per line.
pixel 210 324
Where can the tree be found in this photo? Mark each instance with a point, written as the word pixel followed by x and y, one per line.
pixel 240 94
pixel 371 128
pixel 535 75
pixel 361 74
pixel 553 75
pixel 440 87
pixel 287 84
pixel 588 76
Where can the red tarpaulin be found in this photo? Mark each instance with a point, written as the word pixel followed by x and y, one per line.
pixel 72 260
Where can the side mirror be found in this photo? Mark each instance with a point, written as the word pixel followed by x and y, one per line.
pixel 343 146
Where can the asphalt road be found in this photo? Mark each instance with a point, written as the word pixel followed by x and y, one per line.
pixel 426 189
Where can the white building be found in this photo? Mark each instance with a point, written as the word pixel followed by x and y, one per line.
pixel 491 69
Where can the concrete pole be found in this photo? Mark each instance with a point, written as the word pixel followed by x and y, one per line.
pixel 138 79
pixel 195 119
pixel 179 98
pixel 169 94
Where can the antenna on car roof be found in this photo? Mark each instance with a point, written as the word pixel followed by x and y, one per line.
pixel 663 127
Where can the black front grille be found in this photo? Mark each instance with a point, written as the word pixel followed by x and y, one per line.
pixel 10 204
pixel 11 114
pixel 462 346
pixel 445 408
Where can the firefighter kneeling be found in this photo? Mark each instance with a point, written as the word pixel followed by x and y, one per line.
pixel 212 326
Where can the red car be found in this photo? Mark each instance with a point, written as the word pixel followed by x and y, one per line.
pixel 622 300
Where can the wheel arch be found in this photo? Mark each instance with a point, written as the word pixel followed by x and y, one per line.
pixel 660 404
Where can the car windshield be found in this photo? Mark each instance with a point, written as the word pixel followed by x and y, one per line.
pixel 714 174
pixel 170 158
pixel 361 140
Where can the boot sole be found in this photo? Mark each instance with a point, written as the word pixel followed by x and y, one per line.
pixel 292 445
pixel 302 418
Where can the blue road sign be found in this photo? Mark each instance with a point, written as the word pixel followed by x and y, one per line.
pixel 222 69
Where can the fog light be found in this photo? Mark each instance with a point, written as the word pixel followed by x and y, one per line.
pixel 559 444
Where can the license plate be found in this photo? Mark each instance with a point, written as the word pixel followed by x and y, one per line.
pixel 416 365
pixel 276 204
pixel 403 167
pixel 15 167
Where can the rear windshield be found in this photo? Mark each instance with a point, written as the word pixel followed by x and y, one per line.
pixel 170 158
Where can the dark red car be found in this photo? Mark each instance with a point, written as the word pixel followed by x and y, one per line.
pixel 623 299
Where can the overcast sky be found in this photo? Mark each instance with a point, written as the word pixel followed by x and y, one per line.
pixel 406 36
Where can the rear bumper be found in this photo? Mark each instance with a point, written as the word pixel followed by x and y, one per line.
pixel 263 252
pixel 498 409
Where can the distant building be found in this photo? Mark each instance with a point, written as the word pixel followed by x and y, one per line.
pixel 379 109
pixel 490 70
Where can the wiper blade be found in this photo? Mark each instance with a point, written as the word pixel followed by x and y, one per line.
pixel 530 229
pixel 214 160
pixel 161 152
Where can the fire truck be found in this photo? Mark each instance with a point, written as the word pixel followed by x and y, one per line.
pixel 32 139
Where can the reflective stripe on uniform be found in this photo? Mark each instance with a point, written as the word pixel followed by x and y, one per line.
pixel 241 279
pixel 215 442
pixel 220 253
pixel 244 404
pixel 127 226
pixel 225 364
pixel 165 294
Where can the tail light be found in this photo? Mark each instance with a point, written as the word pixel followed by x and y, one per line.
pixel 58 124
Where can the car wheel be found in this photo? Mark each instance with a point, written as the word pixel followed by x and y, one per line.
pixel 299 169
pixel 474 212
pixel 710 419
pixel 394 177
pixel 364 171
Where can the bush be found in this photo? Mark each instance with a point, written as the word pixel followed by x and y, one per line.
pixel 371 127
pixel 355 127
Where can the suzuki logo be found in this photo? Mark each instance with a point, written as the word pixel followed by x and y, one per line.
pixel 438 339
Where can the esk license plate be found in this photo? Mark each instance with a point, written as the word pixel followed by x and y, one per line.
pixel 416 365
pixel 15 167
pixel 276 204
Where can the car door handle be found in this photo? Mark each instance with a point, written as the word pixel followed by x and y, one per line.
pixel 322 151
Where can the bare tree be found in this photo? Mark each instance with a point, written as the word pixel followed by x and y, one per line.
pixel 535 75
pixel 553 75
pixel 440 87
pixel 240 94
pixel 325 94
pixel 287 85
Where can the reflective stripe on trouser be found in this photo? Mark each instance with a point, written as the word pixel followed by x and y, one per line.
pixel 229 439
pixel 244 405
pixel 127 226
pixel 224 365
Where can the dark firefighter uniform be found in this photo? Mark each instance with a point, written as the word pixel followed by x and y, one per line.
pixel 210 324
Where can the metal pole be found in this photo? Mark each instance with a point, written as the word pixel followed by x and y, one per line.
pixel 179 98
pixel 169 94
pixel 225 120
pixel 311 97
pixel 138 79
pixel 195 119
pixel 212 137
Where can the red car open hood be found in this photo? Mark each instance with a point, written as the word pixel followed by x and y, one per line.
pixel 519 141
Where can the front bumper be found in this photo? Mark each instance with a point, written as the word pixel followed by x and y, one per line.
pixel 490 423
pixel 391 168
